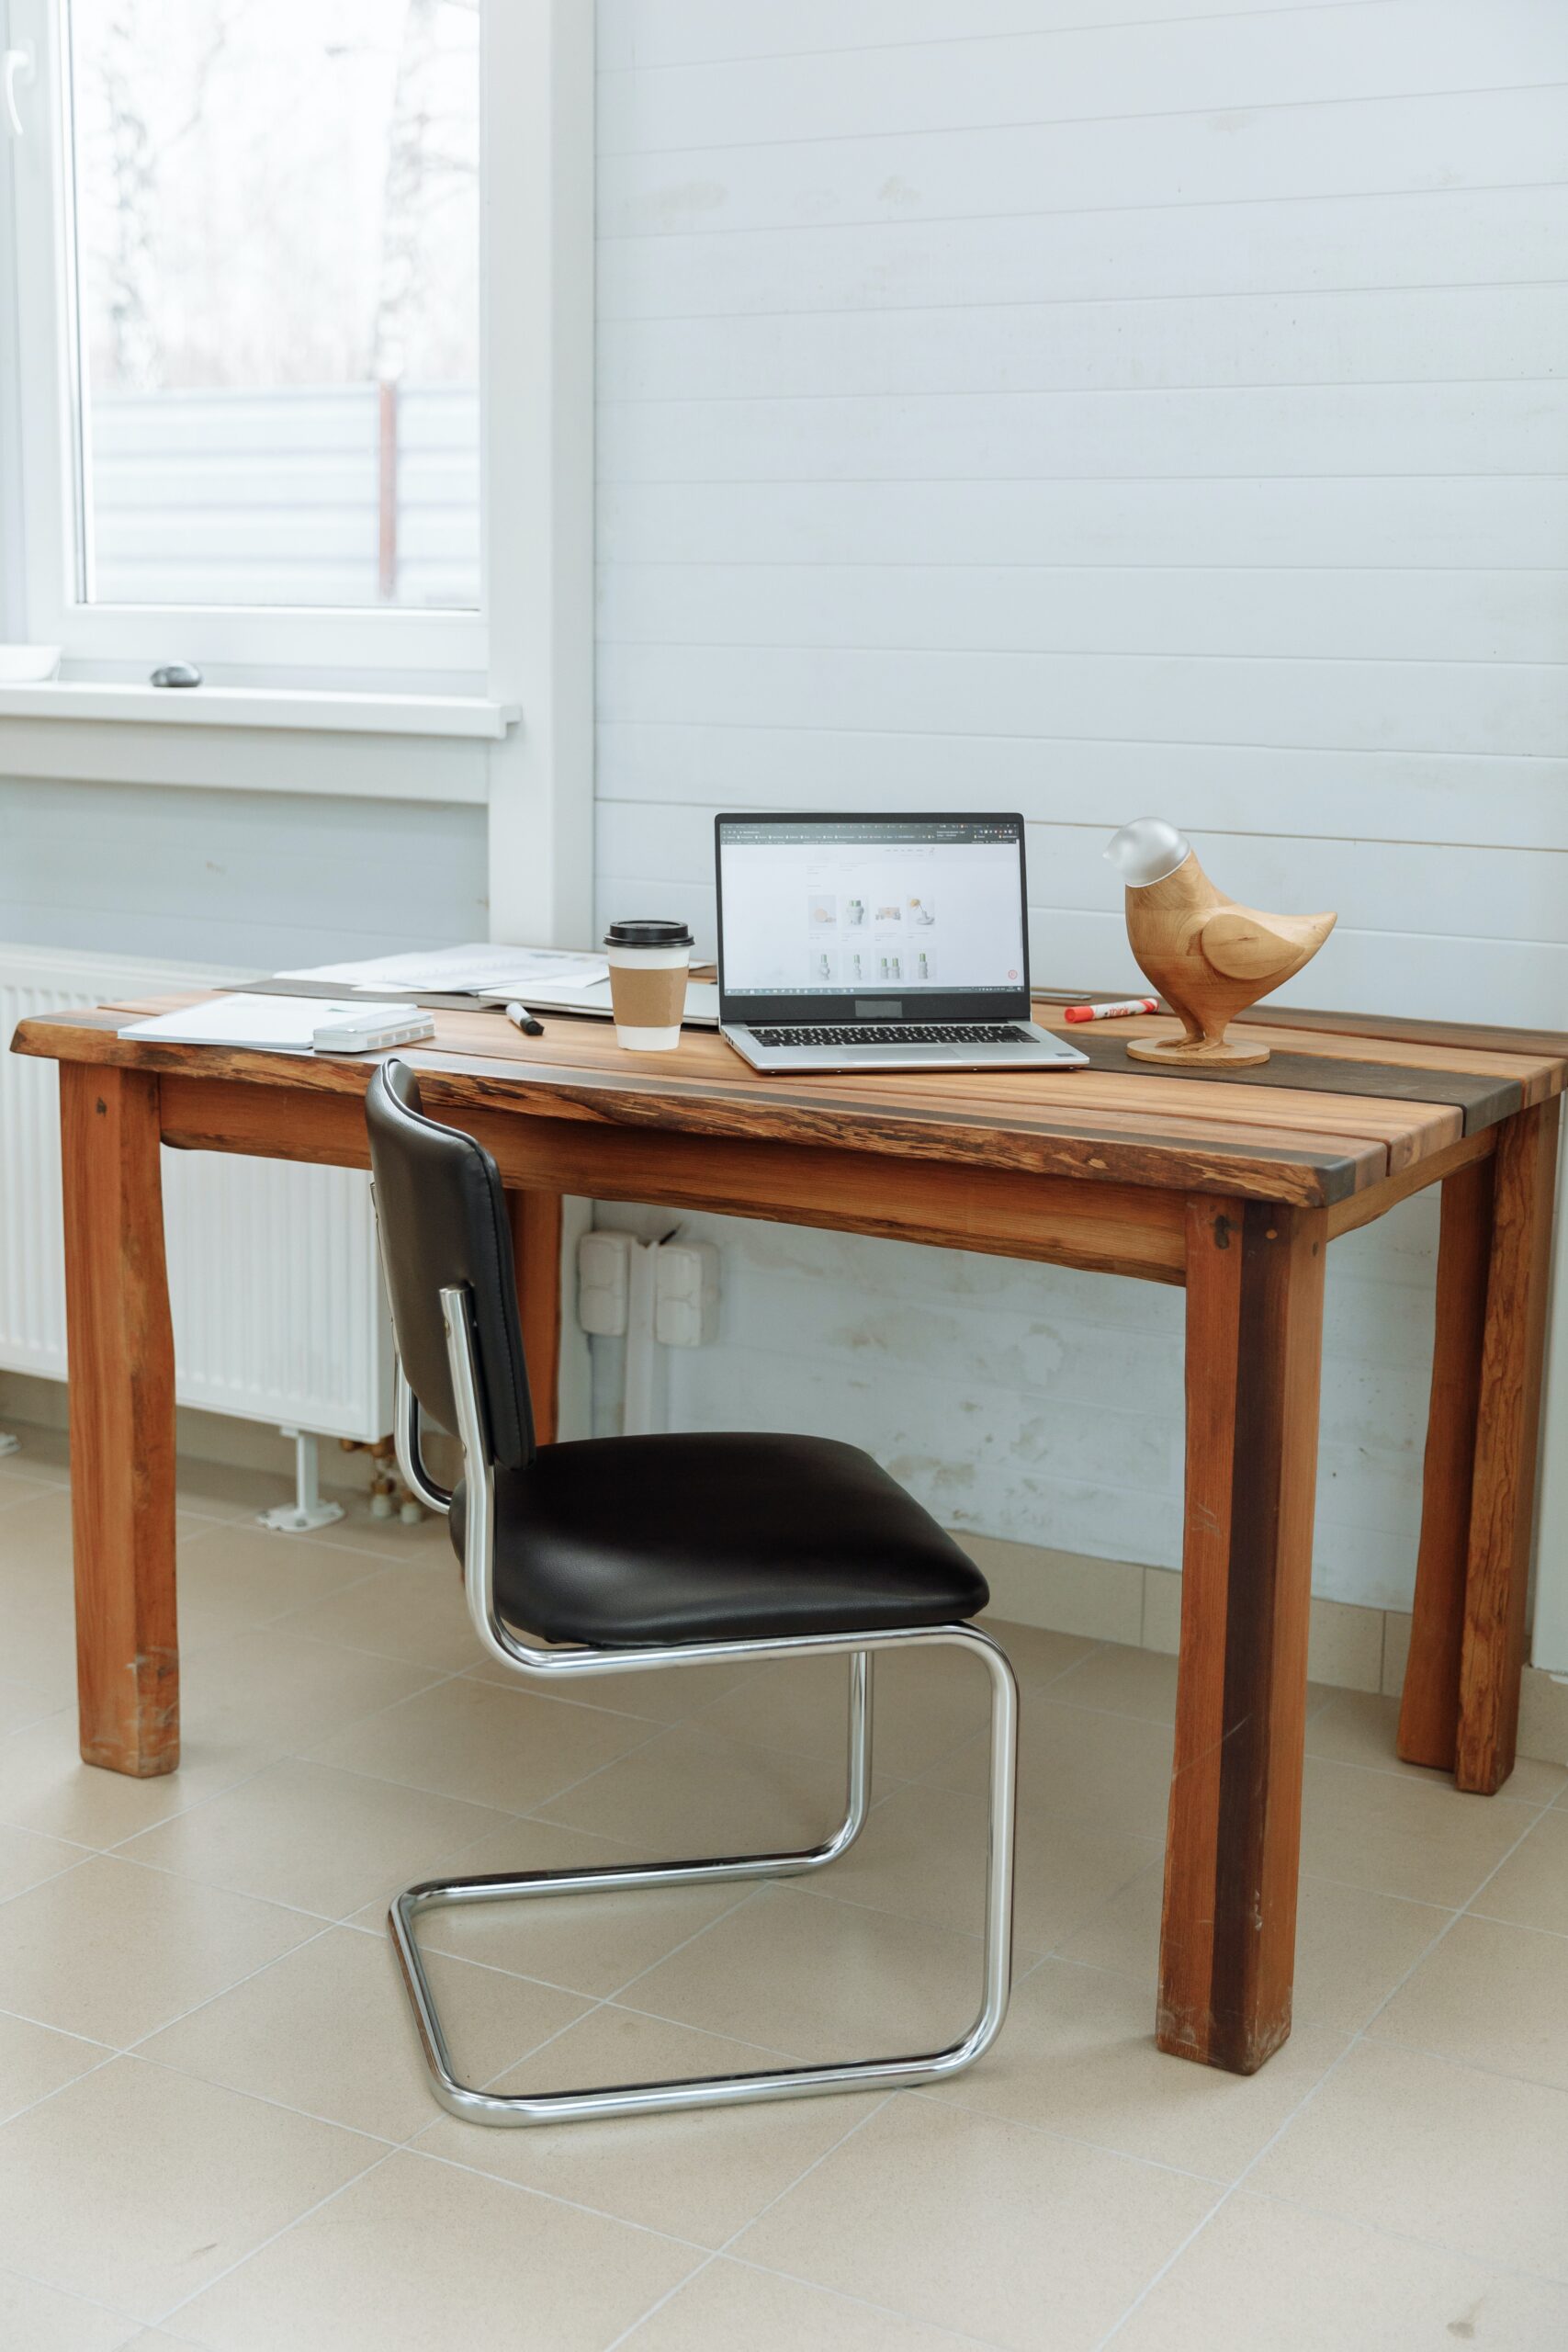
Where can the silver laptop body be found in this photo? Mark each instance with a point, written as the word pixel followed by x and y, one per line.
pixel 877 943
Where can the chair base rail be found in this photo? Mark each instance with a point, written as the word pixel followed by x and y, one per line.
pixel 478 2105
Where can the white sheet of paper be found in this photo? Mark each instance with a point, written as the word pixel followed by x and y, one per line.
pixel 268 1024
pixel 701 1010
pixel 479 968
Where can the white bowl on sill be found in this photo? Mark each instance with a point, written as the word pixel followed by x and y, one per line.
pixel 28 665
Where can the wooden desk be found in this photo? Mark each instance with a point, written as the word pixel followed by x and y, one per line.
pixel 1233 1187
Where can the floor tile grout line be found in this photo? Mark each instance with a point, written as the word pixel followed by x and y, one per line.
pixel 715 2253
pixel 864 2302
pixel 309 1755
pixel 784 2058
pixel 66 2034
pixel 294 2222
pixel 1447 2058
pixel 1071 2139
pixel 1166 2266
pixel 597 2001
pixel 1409 2237
pixel 66 1869
pixel 955 2335
pixel 264 2098
pixel 14 2270
pixel 110 2054
pixel 1525 1927
pixel 1314 2092
pixel 138 2049
pixel 547 2195
pixel 627 2334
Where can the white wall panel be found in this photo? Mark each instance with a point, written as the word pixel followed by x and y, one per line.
pixel 644 33
pixel 1221 788
pixel 1432 237
pixel 1332 521
pixel 1340 705
pixel 1238 157
pixel 1008 405
pixel 1409 615
pixel 1397 428
pixel 1257 58
pixel 1398 335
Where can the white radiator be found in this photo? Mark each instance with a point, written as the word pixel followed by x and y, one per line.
pixel 272 1278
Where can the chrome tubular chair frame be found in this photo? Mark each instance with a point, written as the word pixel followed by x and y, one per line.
pixel 567 1665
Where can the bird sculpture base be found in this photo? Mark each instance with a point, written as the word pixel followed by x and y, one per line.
pixel 1218 1054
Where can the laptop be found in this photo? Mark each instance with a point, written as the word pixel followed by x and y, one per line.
pixel 877 943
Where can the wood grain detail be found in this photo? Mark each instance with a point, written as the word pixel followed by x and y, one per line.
pixel 1365 1207
pixel 1508 1435
pixel 1108 1228
pixel 121 1353
pixel 1254 1355
pixel 1480 1100
pixel 1428 1714
pixel 537 1222
pixel 1099 1127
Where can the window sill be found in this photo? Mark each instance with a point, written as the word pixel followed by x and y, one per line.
pixel 471 717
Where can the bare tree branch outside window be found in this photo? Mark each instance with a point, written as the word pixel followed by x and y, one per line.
pixel 277 206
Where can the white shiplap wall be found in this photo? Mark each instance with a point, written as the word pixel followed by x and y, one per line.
pixel 1006 405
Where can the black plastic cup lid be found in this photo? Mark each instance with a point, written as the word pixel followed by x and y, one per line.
pixel 648 931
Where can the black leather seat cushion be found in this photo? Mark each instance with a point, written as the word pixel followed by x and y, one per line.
pixel 616 1540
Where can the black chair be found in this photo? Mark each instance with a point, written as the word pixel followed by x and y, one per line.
pixel 610 1555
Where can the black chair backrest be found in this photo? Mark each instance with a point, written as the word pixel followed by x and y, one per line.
pixel 442 1213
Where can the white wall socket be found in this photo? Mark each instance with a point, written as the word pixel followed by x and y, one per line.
pixel 603 1261
pixel 685 1296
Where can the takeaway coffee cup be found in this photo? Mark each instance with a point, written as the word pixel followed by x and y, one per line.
pixel 649 959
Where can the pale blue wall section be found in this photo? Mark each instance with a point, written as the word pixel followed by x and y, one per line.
pixel 262 879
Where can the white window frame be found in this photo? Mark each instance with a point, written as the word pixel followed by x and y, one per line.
pixel 530 714
pixel 308 645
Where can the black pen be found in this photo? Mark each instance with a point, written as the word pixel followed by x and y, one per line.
pixel 525 1021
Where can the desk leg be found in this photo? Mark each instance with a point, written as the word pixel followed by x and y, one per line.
pixel 121 1355
pixel 536 1236
pixel 1461 1707
pixel 1254 1354
pixel 1428 1714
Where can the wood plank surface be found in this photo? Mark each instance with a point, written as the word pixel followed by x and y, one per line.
pixel 1363 1208
pixel 1480 1037
pixel 121 1352
pixel 1136 1133
pixel 1254 1355
pixel 1481 1098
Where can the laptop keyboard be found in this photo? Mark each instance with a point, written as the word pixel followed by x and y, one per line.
pixel 903 1033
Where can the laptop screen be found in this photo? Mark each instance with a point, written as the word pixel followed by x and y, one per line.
pixel 874 918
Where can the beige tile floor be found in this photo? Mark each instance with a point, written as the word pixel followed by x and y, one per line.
pixel 214 2133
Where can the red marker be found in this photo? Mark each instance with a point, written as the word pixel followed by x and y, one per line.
pixel 1113 1011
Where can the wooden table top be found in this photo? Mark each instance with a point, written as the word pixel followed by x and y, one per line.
pixel 1345 1102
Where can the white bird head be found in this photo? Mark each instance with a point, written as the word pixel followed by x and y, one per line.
pixel 1147 851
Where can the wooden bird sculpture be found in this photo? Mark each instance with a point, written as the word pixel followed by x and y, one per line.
pixel 1207 957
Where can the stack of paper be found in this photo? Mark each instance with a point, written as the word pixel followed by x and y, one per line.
pixel 266 1024
pixel 493 974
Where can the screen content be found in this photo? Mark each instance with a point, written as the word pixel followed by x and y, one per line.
pixel 870 907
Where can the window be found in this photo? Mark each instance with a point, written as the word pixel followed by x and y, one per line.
pixel 248 295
